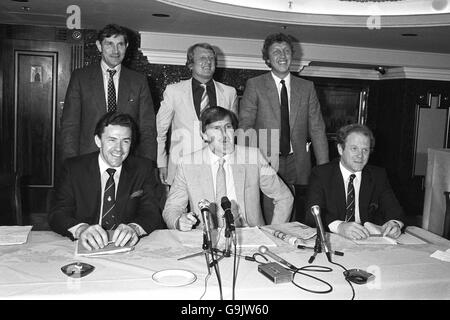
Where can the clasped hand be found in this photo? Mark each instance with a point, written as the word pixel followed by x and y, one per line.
pixel 355 231
pixel 187 221
pixel 95 237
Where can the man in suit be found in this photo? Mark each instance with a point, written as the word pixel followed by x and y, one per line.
pixel 281 103
pixel 102 87
pixel 349 192
pixel 107 190
pixel 224 169
pixel 181 107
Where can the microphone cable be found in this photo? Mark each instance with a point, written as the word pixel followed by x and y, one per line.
pixel 234 264
pixel 312 268
pixel 351 285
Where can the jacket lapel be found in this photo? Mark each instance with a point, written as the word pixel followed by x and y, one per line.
pixel 364 194
pixel 124 88
pixel 188 97
pixel 339 192
pixel 98 89
pixel 272 94
pixel 123 189
pixel 295 101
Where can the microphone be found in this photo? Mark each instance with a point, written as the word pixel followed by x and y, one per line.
pixel 229 220
pixel 315 210
pixel 204 206
pixel 265 250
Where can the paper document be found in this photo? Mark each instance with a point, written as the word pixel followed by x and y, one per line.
pixel 441 255
pixel 376 237
pixel 10 235
pixel 108 249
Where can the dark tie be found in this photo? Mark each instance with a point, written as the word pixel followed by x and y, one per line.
pixel 109 202
pixel 221 190
pixel 350 210
pixel 112 106
pixel 285 146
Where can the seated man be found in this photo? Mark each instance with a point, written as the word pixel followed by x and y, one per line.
pixel 107 190
pixel 224 169
pixel 349 192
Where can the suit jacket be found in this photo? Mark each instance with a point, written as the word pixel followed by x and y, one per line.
pixel 85 104
pixel 177 112
pixel 377 202
pixel 251 173
pixel 78 196
pixel 260 109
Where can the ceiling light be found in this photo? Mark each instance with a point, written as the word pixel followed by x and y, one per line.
pixel 26 8
pixel 409 34
pixel 20 0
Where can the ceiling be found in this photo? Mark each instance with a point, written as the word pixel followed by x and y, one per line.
pixel 211 18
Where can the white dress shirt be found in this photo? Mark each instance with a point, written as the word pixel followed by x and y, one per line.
pixel 214 161
pixel 105 74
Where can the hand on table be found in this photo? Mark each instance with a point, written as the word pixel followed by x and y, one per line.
pixel 186 221
pixel 353 230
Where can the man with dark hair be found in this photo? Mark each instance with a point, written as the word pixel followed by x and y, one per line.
pixel 181 107
pixel 107 190
pixel 224 169
pixel 349 192
pixel 277 102
pixel 103 87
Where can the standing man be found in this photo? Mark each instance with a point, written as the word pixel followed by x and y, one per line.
pixel 181 107
pixel 221 169
pixel 107 190
pixel 107 86
pixel 349 192
pixel 278 101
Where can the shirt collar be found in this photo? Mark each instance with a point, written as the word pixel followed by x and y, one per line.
pixel 105 67
pixel 103 166
pixel 287 79
pixel 214 158
pixel 346 173
pixel 197 84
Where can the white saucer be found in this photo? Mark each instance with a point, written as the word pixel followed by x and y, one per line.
pixel 174 277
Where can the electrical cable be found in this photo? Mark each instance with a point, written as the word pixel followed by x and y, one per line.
pixel 351 286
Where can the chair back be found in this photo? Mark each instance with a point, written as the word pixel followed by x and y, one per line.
pixel 10 199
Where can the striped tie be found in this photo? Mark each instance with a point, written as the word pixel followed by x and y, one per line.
pixel 221 190
pixel 350 210
pixel 204 103
pixel 109 202
pixel 112 105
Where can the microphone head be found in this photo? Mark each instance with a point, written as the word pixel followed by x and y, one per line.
pixel 315 210
pixel 225 203
pixel 204 204
pixel 263 249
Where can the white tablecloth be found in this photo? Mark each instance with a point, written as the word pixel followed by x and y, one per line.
pixel 33 271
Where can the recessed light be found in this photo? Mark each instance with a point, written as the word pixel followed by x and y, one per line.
pixel 26 8
pixel 20 0
pixel 161 15
pixel 409 34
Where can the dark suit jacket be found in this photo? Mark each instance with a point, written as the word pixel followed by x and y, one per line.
pixel 85 104
pixel 78 194
pixel 377 202
pixel 260 109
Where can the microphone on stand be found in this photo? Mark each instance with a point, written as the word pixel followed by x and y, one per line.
pixel 315 210
pixel 204 206
pixel 229 222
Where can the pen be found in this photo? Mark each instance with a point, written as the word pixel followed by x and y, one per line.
pixel 304 247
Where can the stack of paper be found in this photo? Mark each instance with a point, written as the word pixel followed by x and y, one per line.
pixel 14 234
pixel 442 255
pixel 376 237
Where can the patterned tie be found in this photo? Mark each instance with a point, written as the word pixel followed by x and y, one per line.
pixel 350 210
pixel 285 139
pixel 204 103
pixel 221 190
pixel 109 202
pixel 112 105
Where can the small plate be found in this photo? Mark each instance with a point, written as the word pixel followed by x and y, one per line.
pixel 174 277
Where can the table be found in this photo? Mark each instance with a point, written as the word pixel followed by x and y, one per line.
pixel 33 271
